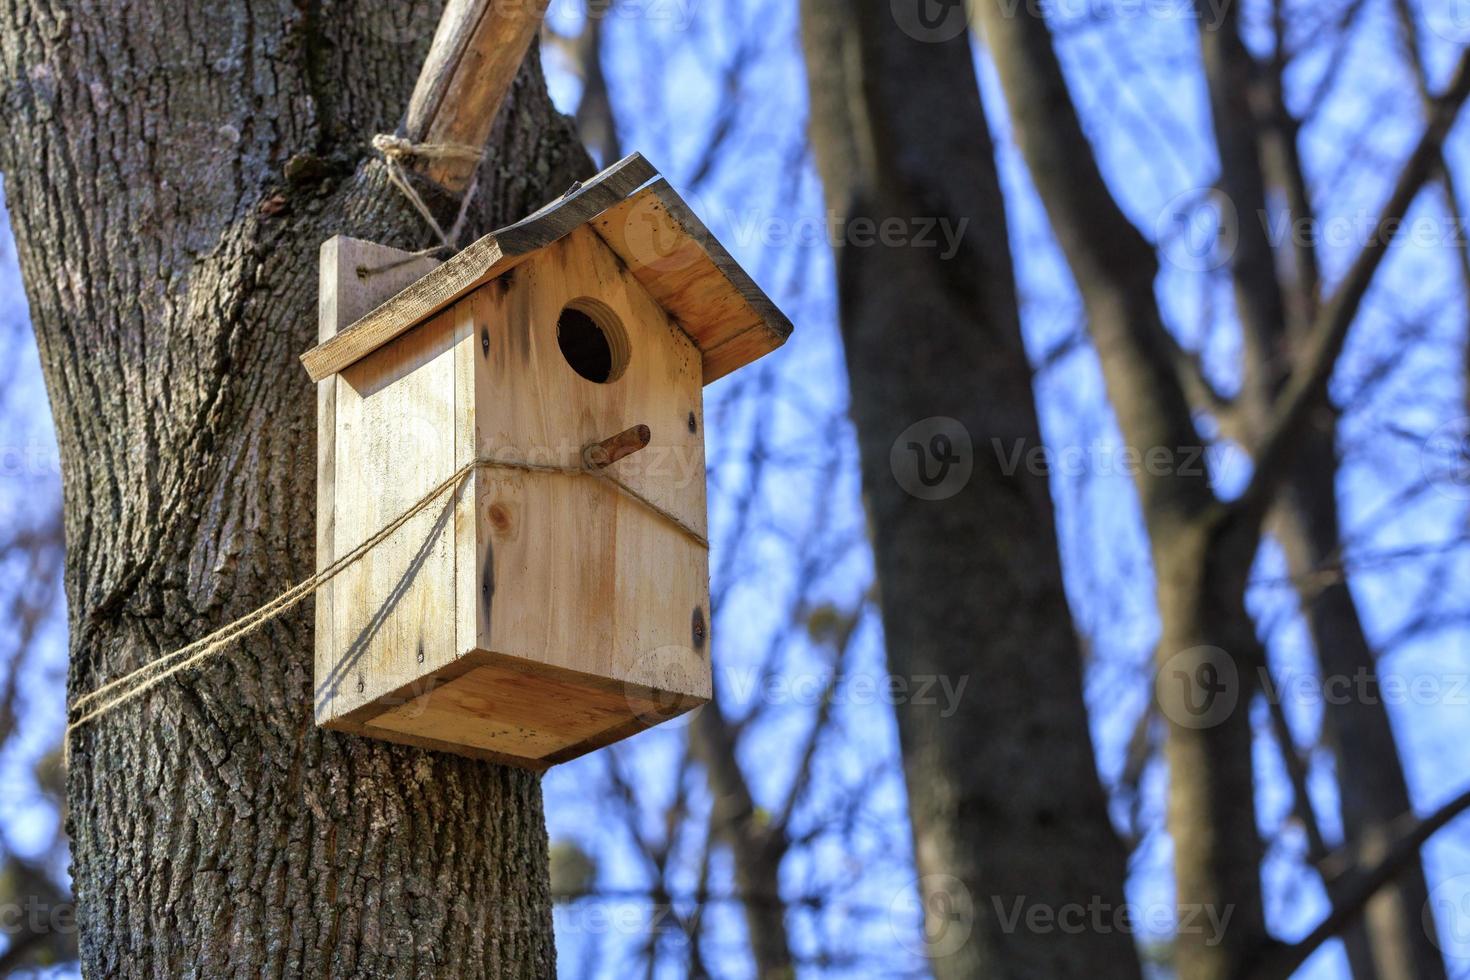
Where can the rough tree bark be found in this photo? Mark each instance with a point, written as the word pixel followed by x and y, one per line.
pixel 171 169
pixel 1004 795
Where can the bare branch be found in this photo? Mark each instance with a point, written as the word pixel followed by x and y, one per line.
pixel 1231 71
pixel 1296 772
pixel 1113 264
pixel 1318 356
pixel 1410 27
pixel 1356 887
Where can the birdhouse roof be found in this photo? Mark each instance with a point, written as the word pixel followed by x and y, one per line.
pixel 646 224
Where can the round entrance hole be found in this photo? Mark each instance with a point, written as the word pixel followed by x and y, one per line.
pixel 593 340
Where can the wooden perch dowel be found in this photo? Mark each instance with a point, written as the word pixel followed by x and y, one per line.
pixel 476 52
pixel 601 455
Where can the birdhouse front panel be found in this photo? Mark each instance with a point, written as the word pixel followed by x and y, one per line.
pixel 553 596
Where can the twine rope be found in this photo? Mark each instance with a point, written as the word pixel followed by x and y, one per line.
pixel 396 149
pixel 153 673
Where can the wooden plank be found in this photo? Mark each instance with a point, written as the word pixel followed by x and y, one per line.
pixel 515 713
pixel 691 275
pixel 493 707
pixel 345 294
pixel 467 350
pixel 474 57
pixel 588 581
pixel 532 406
pixel 482 261
pixel 652 231
pixel 577 575
pixel 398 436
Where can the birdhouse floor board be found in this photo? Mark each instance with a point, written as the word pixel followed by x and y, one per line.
pixel 510 710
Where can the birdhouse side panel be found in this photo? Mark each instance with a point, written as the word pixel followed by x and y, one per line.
pixel 404 425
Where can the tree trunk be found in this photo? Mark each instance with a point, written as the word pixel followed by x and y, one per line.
pixel 1374 795
pixel 1008 812
pixel 1201 549
pixel 171 271
pixel 757 846
pixel 1390 941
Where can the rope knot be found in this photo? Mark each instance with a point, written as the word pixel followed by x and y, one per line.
pixel 392 147
pixel 395 149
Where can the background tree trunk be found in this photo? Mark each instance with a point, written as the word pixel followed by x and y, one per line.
pixel 1390 940
pixel 1371 785
pixel 171 270
pixel 1201 550
pixel 1004 794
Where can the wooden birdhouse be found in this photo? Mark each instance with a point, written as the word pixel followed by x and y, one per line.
pixel 554 598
